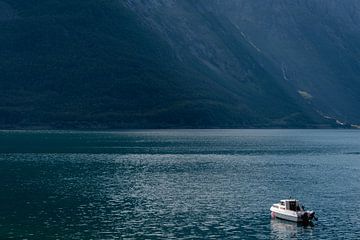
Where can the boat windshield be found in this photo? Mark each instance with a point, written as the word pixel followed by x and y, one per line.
pixel 292 205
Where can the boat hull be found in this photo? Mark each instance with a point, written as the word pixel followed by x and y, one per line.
pixel 285 215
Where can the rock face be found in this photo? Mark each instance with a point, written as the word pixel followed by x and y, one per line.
pixel 169 63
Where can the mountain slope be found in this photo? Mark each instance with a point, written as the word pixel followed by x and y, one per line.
pixel 121 64
pixel 314 46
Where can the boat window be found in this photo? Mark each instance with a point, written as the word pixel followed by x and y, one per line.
pixel 292 205
pixel 282 203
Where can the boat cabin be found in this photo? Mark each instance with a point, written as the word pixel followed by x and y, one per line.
pixel 290 204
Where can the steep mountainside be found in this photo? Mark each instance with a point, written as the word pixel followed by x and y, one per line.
pixel 168 63
pixel 313 44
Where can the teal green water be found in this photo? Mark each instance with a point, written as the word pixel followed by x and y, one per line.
pixel 185 184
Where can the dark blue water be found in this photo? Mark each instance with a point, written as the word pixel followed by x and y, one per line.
pixel 186 184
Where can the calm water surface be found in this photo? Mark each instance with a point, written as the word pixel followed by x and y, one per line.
pixel 186 184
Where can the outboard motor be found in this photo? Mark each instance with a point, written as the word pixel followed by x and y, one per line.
pixel 308 216
pixel 305 217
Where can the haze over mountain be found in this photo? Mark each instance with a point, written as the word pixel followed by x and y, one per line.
pixel 179 63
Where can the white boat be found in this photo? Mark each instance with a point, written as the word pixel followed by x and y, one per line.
pixel 290 209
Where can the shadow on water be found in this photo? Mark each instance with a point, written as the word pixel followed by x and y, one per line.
pixel 282 229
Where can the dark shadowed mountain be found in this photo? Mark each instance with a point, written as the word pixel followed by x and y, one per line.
pixel 185 63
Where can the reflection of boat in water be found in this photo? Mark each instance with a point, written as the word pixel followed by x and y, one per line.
pixel 290 209
pixel 283 229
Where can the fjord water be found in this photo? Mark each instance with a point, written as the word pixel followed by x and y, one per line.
pixel 184 184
